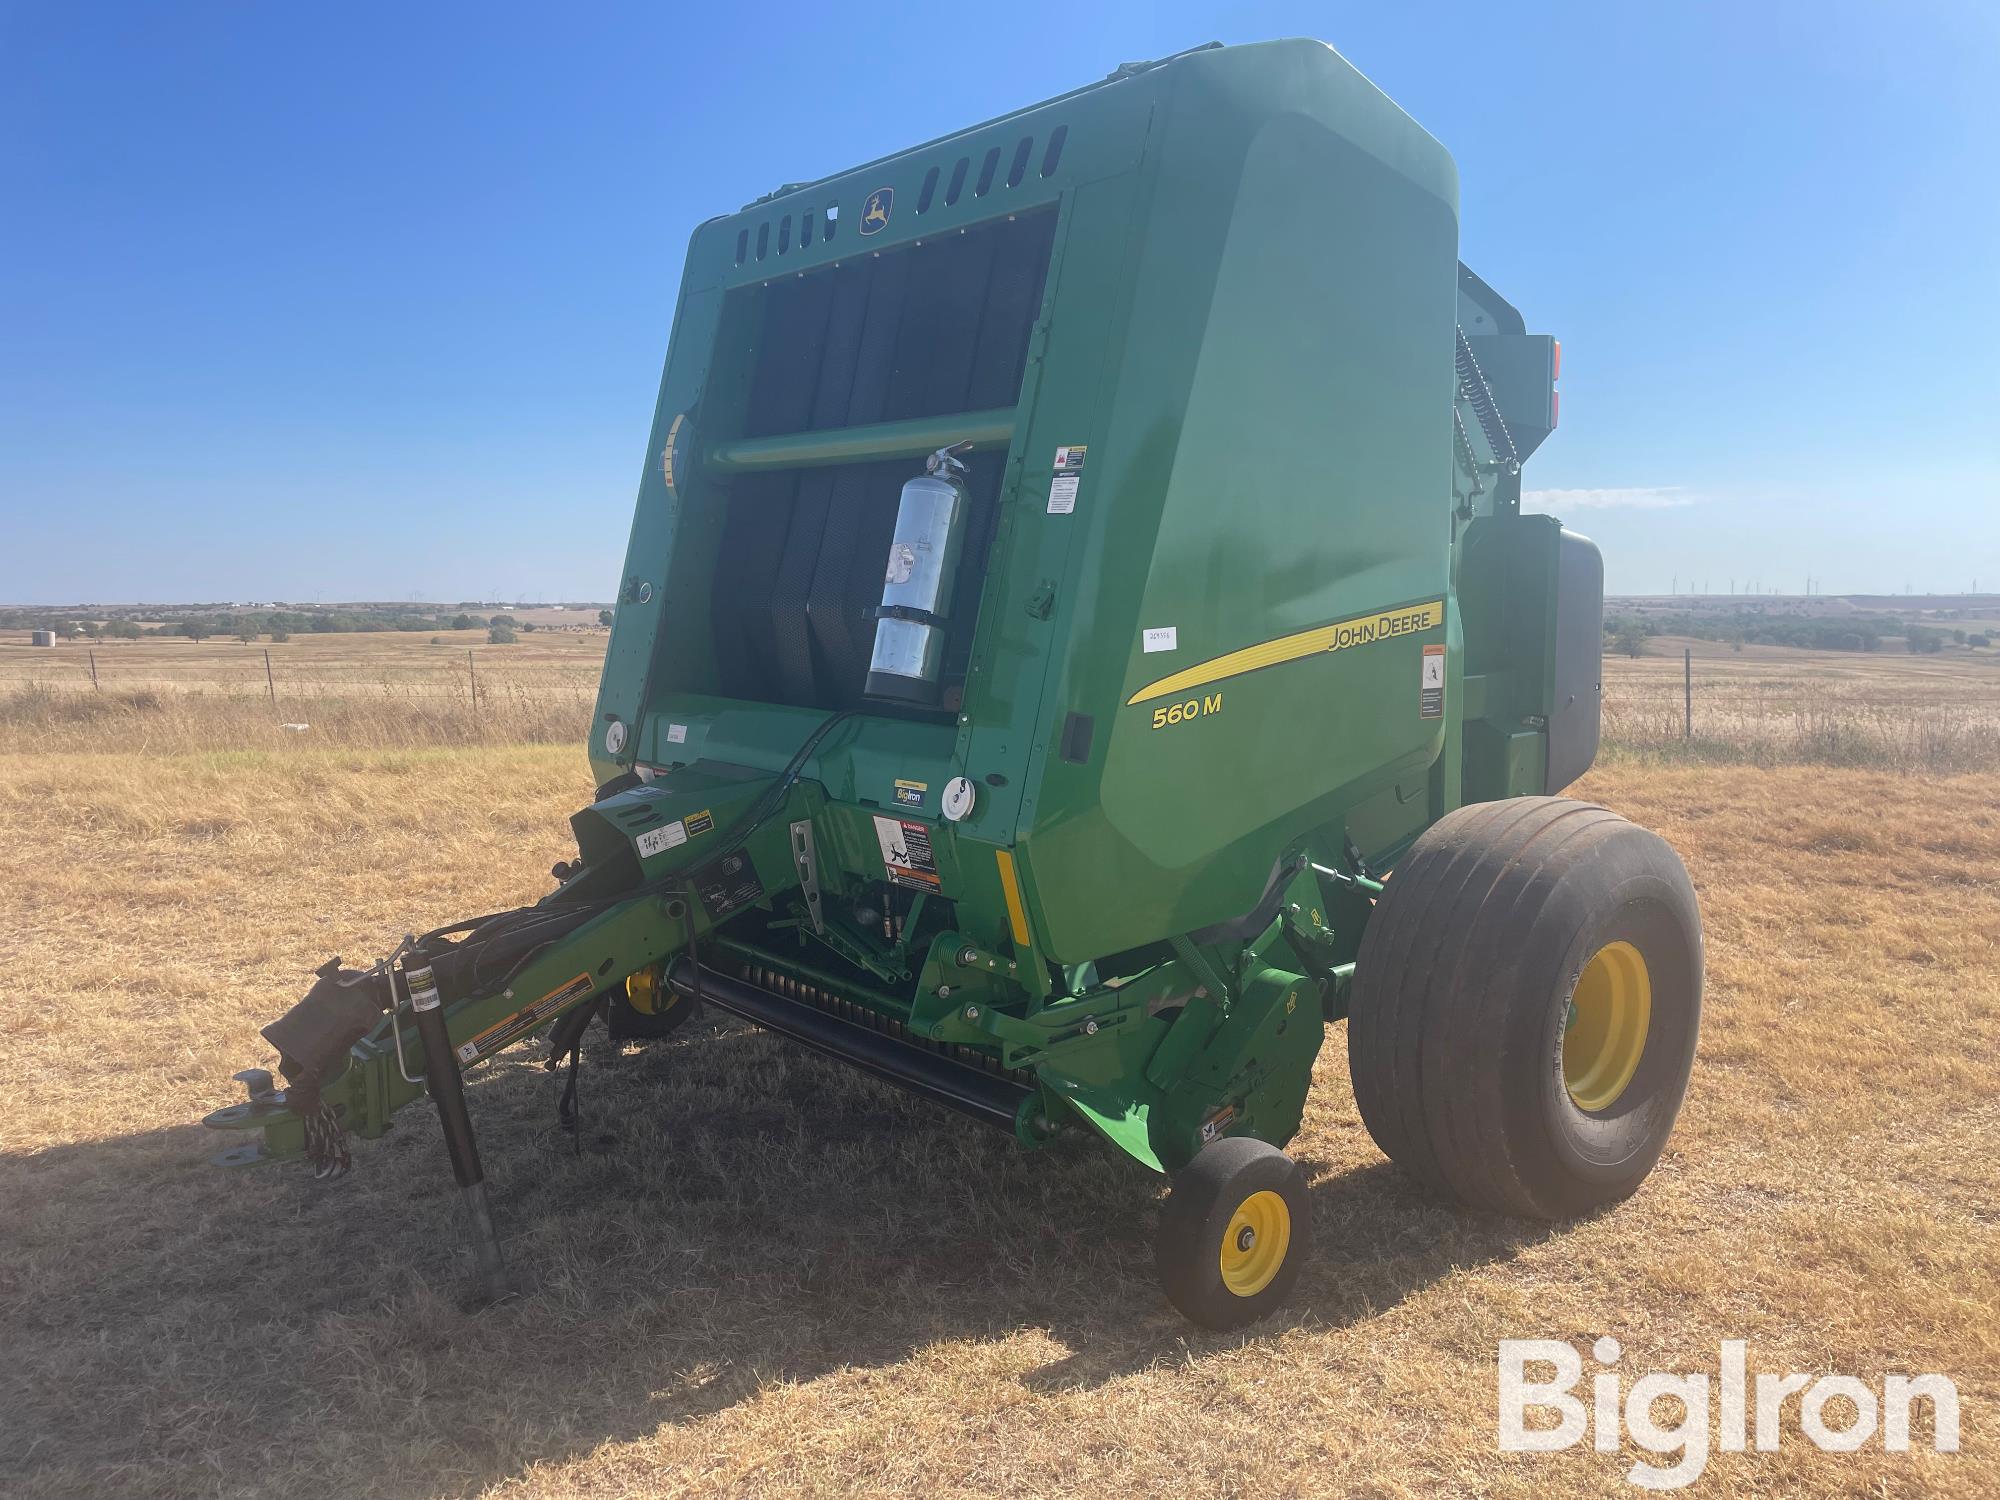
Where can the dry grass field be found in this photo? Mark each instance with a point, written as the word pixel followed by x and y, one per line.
pixel 762 1275
pixel 1776 704
pixel 377 689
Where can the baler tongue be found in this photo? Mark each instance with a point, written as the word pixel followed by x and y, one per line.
pixel 659 864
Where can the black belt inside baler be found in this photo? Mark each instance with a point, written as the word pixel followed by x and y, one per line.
pixel 984 1096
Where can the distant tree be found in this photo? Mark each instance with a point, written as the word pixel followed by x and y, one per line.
pixel 1630 641
pixel 124 630
pixel 196 629
pixel 1923 640
pixel 92 629
pixel 246 632
pixel 503 620
pixel 280 635
pixel 466 622
pixel 1979 638
pixel 604 618
pixel 500 635
pixel 1958 637
pixel 529 625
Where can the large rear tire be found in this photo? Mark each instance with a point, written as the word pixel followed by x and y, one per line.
pixel 1526 1002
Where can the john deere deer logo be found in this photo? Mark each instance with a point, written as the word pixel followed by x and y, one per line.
pixel 875 212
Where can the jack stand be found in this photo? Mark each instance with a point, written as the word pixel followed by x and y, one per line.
pixel 447 1087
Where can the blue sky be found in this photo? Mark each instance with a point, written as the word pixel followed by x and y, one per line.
pixel 369 301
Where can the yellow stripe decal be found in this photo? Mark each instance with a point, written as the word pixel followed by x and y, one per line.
pixel 1362 630
pixel 1010 886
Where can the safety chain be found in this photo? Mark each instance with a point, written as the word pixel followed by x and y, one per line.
pixel 1479 395
pixel 326 1143
pixel 1466 458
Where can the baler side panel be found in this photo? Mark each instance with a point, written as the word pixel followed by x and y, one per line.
pixel 1272 463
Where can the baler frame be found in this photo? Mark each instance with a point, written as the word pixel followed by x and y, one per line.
pixel 1240 623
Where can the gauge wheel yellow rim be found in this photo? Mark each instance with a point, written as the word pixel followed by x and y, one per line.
pixel 1604 1033
pixel 642 991
pixel 1254 1246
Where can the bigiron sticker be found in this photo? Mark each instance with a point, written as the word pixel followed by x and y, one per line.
pixel 500 1033
pixel 907 857
pixel 911 793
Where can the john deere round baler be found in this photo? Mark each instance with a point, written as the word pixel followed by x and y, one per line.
pixel 1079 638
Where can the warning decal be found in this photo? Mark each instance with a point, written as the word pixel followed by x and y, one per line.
pixel 659 840
pixel 699 822
pixel 500 1033
pixel 1070 455
pixel 727 884
pixel 907 856
pixel 1062 493
pixel 1430 688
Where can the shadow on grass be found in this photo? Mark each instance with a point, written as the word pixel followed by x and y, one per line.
pixel 741 1214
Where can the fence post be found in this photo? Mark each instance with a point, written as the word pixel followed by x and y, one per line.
pixel 270 681
pixel 93 671
pixel 472 680
pixel 1687 692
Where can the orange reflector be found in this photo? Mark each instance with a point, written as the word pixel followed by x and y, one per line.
pixel 1010 887
pixel 1556 369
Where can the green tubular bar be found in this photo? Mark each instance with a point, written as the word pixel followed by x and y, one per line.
pixel 862 445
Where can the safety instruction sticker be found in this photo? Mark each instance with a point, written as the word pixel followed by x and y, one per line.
pixel 1161 638
pixel 911 793
pixel 907 856
pixel 677 734
pixel 500 1033
pixel 659 840
pixel 698 822
pixel 727 884
pixel 1062 493
pixel 1430 689
pixel 1070 456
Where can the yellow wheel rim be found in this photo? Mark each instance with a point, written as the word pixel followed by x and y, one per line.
pixel 1606 1031
pixel 1259 1234
pixel 642 991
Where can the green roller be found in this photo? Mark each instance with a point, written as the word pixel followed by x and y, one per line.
pixel 1079 639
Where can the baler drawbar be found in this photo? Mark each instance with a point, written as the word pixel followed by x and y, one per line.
pixel 1195 458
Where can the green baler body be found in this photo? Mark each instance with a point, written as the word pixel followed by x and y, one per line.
pixel 1247 319
pixel 1245 603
